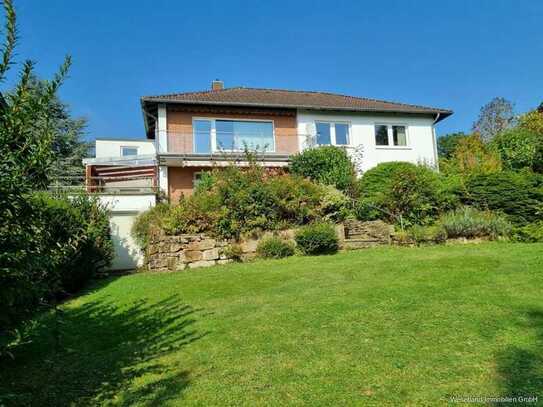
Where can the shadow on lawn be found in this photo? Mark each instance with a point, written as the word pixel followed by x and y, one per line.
pixel 521 368
pixel 108 353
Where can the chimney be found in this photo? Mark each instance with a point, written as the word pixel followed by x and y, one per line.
pixel 217 84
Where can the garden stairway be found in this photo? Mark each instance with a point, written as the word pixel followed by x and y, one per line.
pixel 360 235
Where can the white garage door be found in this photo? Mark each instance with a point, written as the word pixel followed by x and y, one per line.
pixel 127 253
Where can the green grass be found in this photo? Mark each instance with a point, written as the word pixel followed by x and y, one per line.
pixel 387 326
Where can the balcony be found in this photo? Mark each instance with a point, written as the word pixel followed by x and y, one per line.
pixel 230 144
pixel 210 149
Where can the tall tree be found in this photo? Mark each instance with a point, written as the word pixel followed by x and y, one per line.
pixel 67 144
pixel 447 143
pixel 496 116
pixel 26 138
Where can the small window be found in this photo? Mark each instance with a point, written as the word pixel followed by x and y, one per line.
pixel 342 134
pixel 390 135
pixel 332 133
pixel 323 134
pixel 127 151
pixel 399 135
pixel 381 135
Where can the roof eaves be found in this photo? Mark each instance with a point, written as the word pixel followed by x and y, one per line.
pixel 404 108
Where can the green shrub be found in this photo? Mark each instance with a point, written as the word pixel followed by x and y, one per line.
pixel 233 251
pixel 402 237
pixel 274 248
pixel 518 148
pixel 399 189
pixel 427 234
pixel 469 223
pixel 70 241
pixel 533 232
pixel 317 238
pixel 335 206
pixel 519 195
pixel 95 250
pixel 327 165
pixel 242 200
pixel 149 223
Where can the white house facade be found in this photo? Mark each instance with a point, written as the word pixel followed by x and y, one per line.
pixel 378 138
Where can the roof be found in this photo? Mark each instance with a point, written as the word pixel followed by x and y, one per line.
pixel 281 98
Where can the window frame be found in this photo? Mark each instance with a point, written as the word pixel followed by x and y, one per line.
pixel 213 133
pixel 390 137
pixel 333 141
pixel 137 148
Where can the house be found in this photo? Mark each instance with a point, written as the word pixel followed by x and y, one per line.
pixel 198 130
pixel 190 133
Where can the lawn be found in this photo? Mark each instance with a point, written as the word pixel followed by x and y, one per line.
pixel 381 326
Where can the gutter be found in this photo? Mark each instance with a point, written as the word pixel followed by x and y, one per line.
pixel 434 142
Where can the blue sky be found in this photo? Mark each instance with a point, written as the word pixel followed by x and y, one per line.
pixel 453 54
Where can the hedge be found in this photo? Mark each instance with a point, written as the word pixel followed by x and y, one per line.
pixel 519 195
pixel 64 242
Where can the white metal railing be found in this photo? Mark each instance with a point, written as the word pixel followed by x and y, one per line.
pixel 133 161
pixel 117 185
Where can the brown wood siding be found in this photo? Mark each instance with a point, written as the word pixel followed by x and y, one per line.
pixel 179 125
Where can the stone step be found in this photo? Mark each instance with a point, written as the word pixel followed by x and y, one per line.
pixel 350 244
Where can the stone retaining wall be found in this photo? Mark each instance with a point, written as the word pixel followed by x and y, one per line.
pixel 176 253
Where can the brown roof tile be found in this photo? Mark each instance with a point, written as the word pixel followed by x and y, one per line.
pixel 241 96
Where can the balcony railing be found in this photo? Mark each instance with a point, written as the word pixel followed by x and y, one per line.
pixel 191 143
pixel 115 185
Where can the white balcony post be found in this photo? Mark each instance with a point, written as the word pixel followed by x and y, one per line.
pixel 162 131
pixel 162 147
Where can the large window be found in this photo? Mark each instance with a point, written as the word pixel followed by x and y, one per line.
pixel 332 133
pixel 391 136
pixel 232 135
pixel 128 151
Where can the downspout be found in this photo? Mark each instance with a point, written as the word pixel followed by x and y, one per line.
pixel 434 141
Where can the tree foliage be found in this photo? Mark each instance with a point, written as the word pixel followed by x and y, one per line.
pixel 518 148
pixel 47 245
pixel 495 117
pixel 532 121
pixel 67 144
pixel 446 144
pixel 471 156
